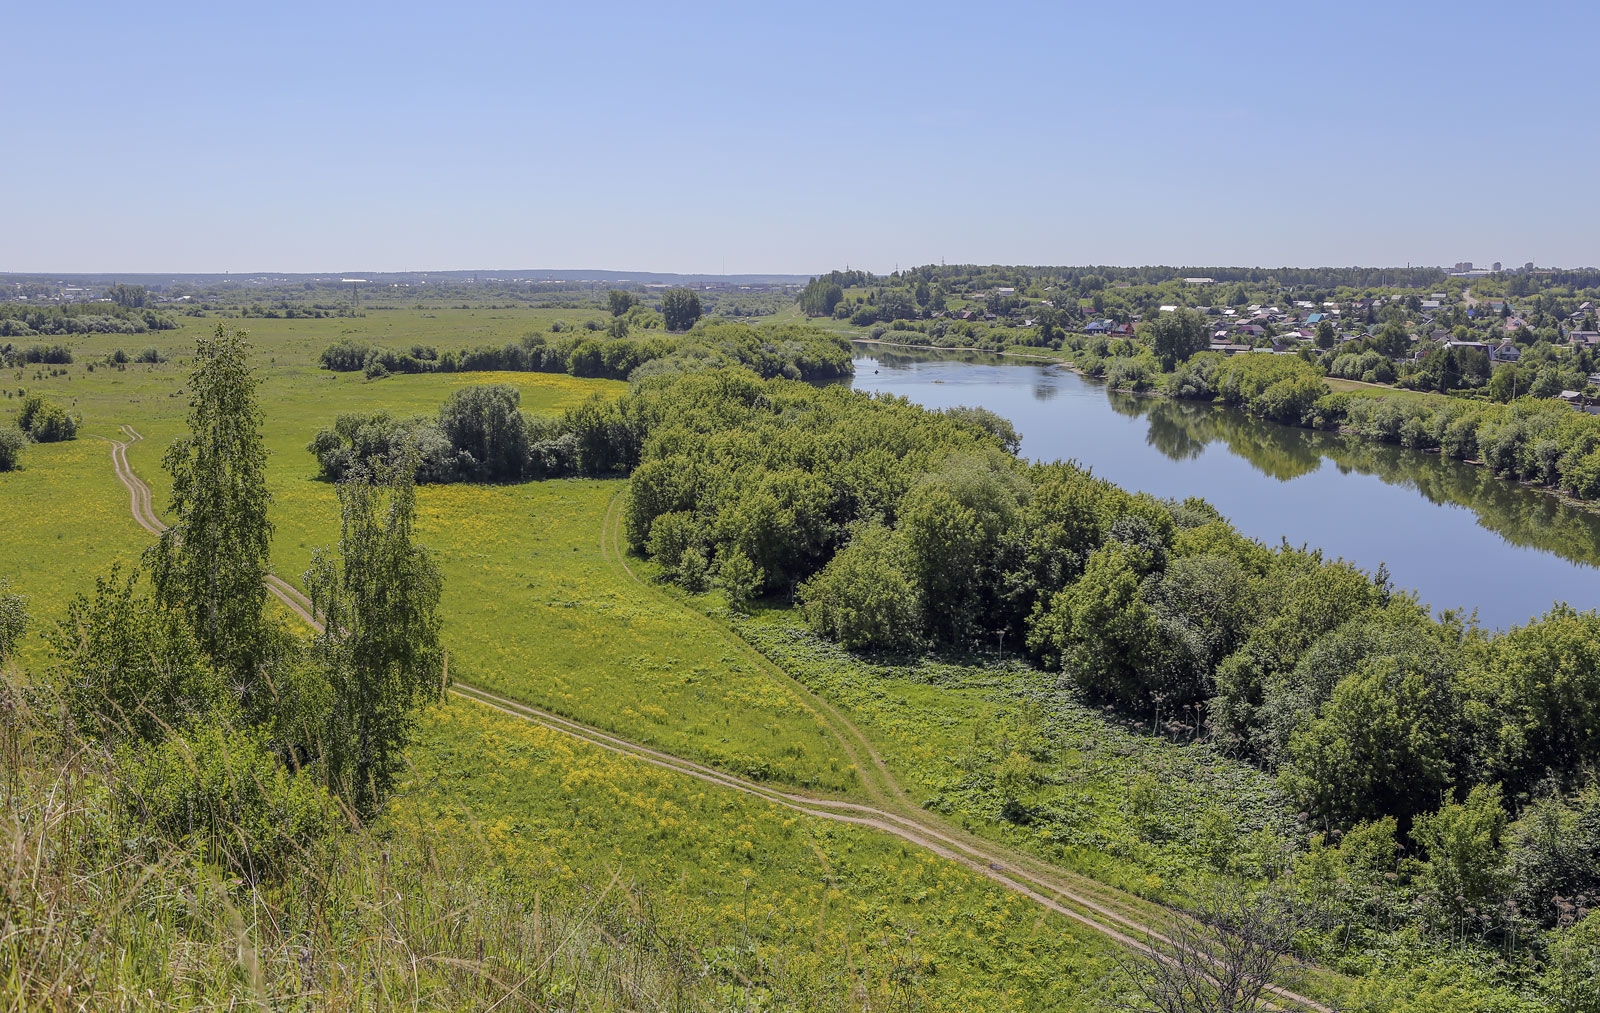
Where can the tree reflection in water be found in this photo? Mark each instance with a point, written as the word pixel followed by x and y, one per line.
pixel 1523 516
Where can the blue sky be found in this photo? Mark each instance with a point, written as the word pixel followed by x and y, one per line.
pixel 795 138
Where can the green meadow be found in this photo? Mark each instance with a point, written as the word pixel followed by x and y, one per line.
pixel 539 605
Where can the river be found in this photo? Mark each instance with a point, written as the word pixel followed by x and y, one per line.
pixel 1451 532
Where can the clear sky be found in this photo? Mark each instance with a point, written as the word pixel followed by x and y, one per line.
pixel 757 137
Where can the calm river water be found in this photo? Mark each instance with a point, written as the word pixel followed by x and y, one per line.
pixel 1450 531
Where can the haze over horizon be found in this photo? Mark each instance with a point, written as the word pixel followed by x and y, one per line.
pixel 734 140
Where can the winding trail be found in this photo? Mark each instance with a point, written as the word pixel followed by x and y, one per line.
pixel 1123 919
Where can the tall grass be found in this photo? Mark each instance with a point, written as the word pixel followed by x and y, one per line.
pixel 393 918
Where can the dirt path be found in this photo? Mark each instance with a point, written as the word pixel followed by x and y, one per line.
pixel 1078 898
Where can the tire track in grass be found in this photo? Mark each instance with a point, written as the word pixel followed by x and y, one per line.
pixel 1020 873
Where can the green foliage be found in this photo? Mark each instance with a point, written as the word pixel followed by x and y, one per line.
pixel 1443 984
pixel 45 421
pixel 128 668
pixel 796 352
pixel 1572 969
pixel 1103 630
pixel 1463 876
pixel 371 439
pixel 1385 743
pixel 866 595
pixel 1553 857
pixel 1177 335
pixel 820 297
pixel 378 599
pixel 779 470
pixel 12 440
pixel 487 431
pixel 680 307
pixel 738 577
pixel 25 320
pixel 13 618
pixel 953 523
pixel 211 564
pixel 620 302
pixel 225 794
pixel 1542 683
pixel 1325 334
pixel 129 296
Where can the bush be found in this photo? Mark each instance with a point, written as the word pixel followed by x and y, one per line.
pixel 127 668
pixel 57 355
pixel 150 354
pixel 344 357
pixel 1572 969
pixel 12 440
pixel 1131 374
pixel 225 793
pixel 45 421
pixel 13 618
pixel 739 578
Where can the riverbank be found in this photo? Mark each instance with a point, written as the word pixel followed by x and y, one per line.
pixel 1591 506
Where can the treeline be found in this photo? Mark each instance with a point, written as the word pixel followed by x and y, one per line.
pixel 50 355
pixel 792 351
pixel 20 321
pixel 1529 439
pixel 1022 276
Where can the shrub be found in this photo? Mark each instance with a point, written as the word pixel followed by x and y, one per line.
pixel 226 793
pixel 46 421
pixel 127 668
pixel 13 618
pixel 739 578
pixel 12 440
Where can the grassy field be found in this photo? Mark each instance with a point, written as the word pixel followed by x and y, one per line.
pixel 536 608
pixel 531 607
pixel 763 888
pixel 1139 811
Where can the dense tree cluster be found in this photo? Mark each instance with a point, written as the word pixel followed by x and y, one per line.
pixel 773 350
pixel 50 355
pixel 22 320
pixel 480 434
pixel 820 297
pixel 897 526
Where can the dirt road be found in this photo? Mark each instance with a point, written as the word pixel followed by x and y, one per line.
pixel 1124 919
